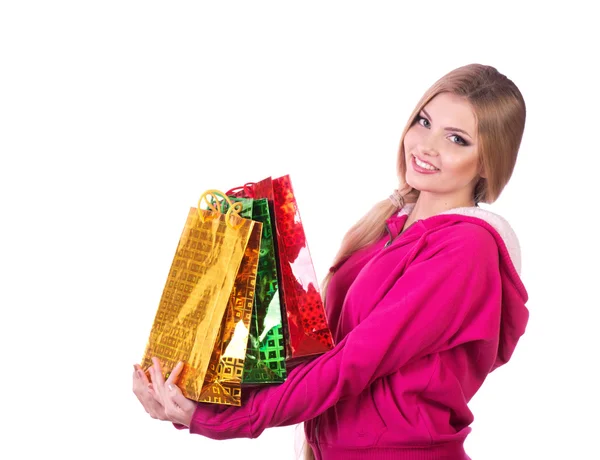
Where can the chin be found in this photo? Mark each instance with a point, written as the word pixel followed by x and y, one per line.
pixel 418 183
pixel 422 185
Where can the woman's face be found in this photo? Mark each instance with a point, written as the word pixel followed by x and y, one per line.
pixel 444 136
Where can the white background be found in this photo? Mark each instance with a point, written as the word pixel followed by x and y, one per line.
pixel 116 115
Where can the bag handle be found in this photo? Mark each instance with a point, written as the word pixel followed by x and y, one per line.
pixel 234 209
pixel 248 189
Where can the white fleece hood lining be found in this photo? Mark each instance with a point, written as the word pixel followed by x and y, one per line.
pixel 500 224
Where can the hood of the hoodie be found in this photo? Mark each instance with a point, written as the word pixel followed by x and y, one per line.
pixel 497 222
pixel 515 314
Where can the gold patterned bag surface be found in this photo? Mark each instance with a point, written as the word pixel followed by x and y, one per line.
pixel 223 381
pixel 198 290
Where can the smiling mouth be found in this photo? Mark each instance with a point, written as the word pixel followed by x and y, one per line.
pixel 424 165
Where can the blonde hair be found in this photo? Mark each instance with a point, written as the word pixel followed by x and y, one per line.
pixel 500 117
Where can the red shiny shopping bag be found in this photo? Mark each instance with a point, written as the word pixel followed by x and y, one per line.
pixel 305 327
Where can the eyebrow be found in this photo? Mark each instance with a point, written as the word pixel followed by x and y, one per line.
pixel 449 128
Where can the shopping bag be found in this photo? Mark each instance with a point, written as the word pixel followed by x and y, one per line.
pixel 265 354
pixel 198 289
pixel 222 384
pixel 306 332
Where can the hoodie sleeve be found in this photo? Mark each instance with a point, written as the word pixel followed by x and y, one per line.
pixel 431 306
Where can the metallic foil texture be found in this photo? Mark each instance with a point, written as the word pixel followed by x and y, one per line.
pixel 196 294
pixel 307 326
pixel 306 331
pixel 223 381
pixel 265 356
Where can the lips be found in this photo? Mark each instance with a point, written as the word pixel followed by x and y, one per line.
pixel 421 170
pixel 426 162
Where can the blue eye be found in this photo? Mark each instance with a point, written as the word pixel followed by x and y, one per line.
pixel 461 140
pixel 419 118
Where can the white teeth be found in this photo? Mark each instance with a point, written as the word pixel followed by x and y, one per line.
pixel 424 165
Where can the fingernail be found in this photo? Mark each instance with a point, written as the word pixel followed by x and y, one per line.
pixel 140 374
pixel 171 387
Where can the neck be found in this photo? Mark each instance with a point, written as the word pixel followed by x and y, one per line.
pixel 428 205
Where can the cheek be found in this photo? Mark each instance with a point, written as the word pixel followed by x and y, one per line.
pixel 466 167
pixel 409 141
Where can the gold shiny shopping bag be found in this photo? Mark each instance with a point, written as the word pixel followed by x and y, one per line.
pixel 223 381
pixel 198 288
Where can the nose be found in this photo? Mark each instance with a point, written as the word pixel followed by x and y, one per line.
pixel 427 150
pixel 428 145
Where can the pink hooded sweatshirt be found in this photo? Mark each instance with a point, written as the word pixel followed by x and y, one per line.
pixel 420 319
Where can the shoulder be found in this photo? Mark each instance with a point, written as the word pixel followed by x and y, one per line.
pixel 458 244
pixel 456 250
pixel 462 235
pixel 497 226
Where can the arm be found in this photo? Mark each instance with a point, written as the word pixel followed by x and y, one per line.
pixel 425 311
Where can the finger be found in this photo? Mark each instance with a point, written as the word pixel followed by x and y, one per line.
pixel 158 373
pixel 153 394
pixel 158 380
pixel 154 397
pixel 138 373
pixel 144 391
pixel 140 383
pixel 146 398
pixel 155 405
pixel 176 395
pixel 153 386
pixel 155 390
pixel 152 374
pixel 175 373
pixel 179 409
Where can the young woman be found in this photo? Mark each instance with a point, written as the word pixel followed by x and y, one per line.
pixel 424 298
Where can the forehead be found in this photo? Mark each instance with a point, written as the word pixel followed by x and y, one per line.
pixel 448 109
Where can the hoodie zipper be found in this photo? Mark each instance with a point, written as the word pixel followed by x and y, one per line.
pixel 316 430
pixel 391 240
pixel 389 233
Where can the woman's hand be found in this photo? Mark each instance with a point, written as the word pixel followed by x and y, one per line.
pixel 145 394
pixel 166 395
